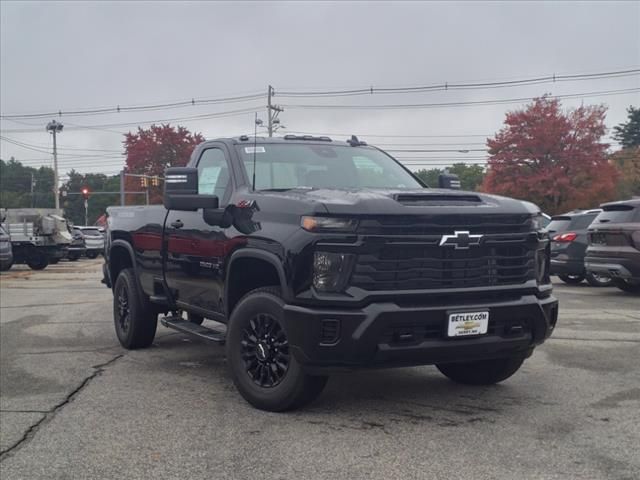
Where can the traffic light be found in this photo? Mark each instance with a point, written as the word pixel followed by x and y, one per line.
pixel 144 182
pixel 85 193
pixel 155 181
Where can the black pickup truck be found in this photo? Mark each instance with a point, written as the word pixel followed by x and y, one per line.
pixel 315 256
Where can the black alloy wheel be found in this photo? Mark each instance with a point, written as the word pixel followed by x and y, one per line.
pixel 260 357
pixel 134 317
pixel 265 351
pixel 123 311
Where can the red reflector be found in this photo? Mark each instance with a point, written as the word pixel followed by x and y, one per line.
pixel 565 237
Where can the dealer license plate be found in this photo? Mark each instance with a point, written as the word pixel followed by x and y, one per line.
pixel 466 324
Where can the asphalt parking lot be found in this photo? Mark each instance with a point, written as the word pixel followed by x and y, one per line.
pixel 73 404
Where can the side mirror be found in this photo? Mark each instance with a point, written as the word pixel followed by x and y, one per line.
pixel 181 191
pixel 449 180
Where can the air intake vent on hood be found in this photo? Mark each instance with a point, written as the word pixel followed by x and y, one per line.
pixel 436 199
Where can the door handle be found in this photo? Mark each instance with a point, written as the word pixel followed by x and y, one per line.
pixel 177 224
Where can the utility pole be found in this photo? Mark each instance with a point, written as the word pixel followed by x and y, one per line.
pixel 55 128
pixel 33 184
pixel 272 111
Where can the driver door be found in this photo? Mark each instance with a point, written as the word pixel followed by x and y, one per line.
pixel 196 251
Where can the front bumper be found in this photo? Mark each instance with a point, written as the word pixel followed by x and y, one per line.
pixel 387 334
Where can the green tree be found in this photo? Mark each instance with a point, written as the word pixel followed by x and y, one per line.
pixel 628 133
pixel 73 202
pixel 430 176
pixel 470 175
pixel 16 185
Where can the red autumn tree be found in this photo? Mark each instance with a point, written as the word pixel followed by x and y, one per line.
pixel 150 151
pixel 553 159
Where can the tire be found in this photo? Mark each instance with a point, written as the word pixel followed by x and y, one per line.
pixel 38 262
pixel 5 267
pixel 53 261
pixel 628 286
pixel 252 363
pixel 134 318
pixel 596 280
pixel 197 319
pixel 92 255
pixel 572 279
pixel 72 257
pixel 483 372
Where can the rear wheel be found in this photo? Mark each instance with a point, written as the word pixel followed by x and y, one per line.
pixel 483 372
pixel 598 280
pixel 72 257
pixel 38 261
pixel 262 366
pixel 572 279
pixel 53 261
pixel 4 267
pixel 92 255
pixel 135 318
pixel 629 286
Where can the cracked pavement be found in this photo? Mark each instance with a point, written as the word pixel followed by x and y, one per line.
pixel 73 404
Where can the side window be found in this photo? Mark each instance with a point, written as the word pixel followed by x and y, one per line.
pixel 214 177
pixel 582 222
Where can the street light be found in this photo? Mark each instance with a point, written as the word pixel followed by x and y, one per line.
pixel 54 128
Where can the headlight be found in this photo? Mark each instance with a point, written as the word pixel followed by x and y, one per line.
pixel 331 271
pixel 328 224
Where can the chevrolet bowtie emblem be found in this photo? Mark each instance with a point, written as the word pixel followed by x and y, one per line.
pixel 460 240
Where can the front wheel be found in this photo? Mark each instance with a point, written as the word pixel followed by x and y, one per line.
pixel 572 279
pixel 629 286
pixel 263 368
pixel 483 372
pixel 5 267
pixel 598 280
pixel 134 317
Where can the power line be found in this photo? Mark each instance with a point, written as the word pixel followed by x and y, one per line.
pixel 106 126
pixel 256 95
pixel 460 86
pixel 377 135
pixel 408 106
pixel 135 108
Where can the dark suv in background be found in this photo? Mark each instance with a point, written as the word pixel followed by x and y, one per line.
pixel 569 243
pixel 614 244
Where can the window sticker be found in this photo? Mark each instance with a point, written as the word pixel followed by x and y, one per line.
pixel 254 150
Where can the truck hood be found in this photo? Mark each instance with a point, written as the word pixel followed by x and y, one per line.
pixel 407 202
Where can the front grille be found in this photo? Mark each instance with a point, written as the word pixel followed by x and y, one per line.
pixel 404 266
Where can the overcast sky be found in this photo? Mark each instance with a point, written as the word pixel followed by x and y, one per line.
pixel 75 55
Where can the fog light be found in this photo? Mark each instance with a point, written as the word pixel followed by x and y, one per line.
pixel 330 271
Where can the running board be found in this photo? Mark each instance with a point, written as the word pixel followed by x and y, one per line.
pixel 198 331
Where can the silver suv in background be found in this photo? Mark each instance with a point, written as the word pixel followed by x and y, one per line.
pixel 93 241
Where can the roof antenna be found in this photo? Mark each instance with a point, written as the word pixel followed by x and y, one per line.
pixel 255 148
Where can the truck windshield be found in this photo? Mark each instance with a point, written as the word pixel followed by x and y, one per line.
pixel 287 166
